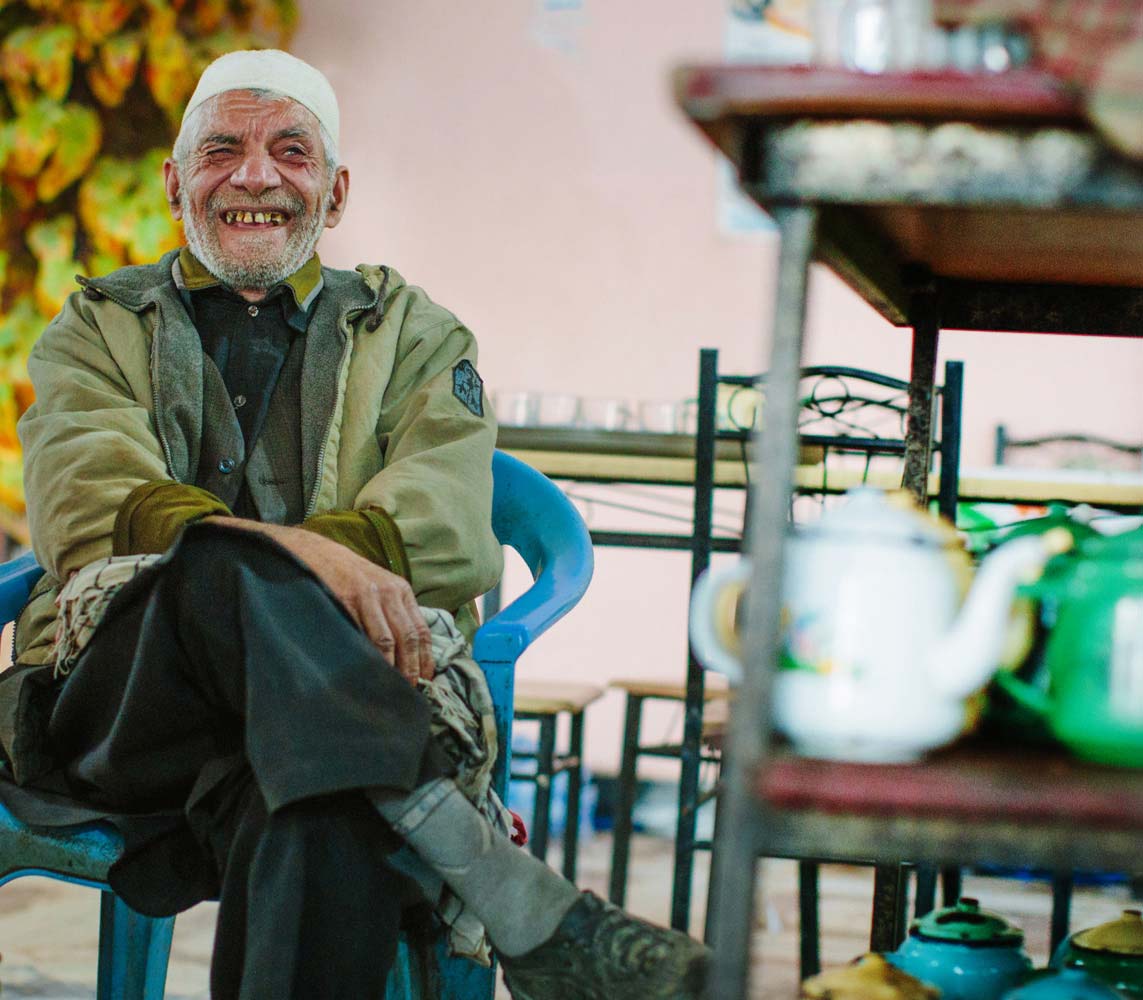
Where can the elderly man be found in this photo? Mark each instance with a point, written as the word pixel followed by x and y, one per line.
pixel 246 475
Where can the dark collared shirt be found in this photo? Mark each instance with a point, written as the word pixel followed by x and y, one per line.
pixel 248 341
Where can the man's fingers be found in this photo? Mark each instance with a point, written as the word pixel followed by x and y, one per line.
pixel 377 627
pixel 414 645
pixel 426 666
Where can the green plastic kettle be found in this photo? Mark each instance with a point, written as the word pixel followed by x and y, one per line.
pixel 1089 689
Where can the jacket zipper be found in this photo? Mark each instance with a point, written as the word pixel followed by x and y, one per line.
pixel 312 503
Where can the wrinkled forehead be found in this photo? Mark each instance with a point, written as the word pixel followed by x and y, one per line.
pixel 250 114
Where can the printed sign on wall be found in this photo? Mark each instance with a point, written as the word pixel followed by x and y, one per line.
pixel 758 31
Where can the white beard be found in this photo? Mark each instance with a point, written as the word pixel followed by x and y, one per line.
pixel 261 267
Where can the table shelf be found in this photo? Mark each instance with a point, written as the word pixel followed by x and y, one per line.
pixel 973 803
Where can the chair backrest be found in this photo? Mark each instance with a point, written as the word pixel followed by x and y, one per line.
pixel 533 516
pixel 1065 450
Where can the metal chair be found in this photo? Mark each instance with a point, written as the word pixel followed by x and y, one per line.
pixel 1067 451
pixel 851 417
pixel 530 514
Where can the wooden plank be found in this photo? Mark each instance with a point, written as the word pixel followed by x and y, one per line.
pixel 550 697
pixel 711 93
pixel 664 689
pixel 888 839
pixel 967 782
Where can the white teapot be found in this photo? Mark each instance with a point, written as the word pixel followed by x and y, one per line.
pixel 881 647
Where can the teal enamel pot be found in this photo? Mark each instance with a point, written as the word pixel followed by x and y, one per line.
pixel 966 952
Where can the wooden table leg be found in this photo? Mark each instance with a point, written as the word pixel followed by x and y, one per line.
pixel 889 884
pixel 922 376
pixel 739 825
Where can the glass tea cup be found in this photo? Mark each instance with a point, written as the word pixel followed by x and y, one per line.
pixel 558 410
pixel 657 416
pixel 516 408
pixel 605 414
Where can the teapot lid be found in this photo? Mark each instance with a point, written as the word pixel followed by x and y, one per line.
pixel 1062 984
pixel 1123 936
pixel 883 516
pixel 966 923
pixel 869 976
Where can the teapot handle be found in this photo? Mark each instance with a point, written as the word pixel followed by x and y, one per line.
pixel 1031 697
pixel 713 637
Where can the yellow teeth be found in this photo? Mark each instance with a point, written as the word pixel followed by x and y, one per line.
pixel 273 218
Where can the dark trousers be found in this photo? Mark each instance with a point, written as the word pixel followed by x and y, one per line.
pixel 227 688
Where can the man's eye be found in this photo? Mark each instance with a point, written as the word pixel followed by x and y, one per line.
pixel 294 151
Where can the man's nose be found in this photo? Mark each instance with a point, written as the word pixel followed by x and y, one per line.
pixel 256 173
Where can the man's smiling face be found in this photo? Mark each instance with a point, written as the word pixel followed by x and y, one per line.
pixel 253 188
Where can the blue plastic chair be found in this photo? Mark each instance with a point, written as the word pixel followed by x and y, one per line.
pixel 529 514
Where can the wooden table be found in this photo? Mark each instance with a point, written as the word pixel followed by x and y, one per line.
pixel 980 203
pixel 622 457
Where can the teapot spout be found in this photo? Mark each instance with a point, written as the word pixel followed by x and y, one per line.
pixel 967 656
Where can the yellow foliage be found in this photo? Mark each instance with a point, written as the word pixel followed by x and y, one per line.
pixel 52 239
pixel 55 281
pixel 80 134
pixel 41 55
pixel 168 71
pixel 98 20
pixel 112 72
pixel 67 208
pixel 32 137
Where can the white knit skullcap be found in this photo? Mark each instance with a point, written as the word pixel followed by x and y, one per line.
pixel 270 69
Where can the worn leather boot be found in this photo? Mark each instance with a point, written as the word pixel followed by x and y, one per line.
pixel 598 952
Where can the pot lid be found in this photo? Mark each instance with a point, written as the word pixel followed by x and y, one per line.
pixel 1062 984
pixel 869 976
pixel 967 923
pixel 1123 936
pixel 888 517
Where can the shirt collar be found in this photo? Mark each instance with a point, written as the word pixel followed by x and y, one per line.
pixel 303 285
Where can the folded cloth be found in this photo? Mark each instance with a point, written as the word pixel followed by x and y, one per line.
pixel 1096 45
pixel 464 724
pixel 84 599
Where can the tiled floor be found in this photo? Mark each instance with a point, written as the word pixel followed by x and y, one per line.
pixel 48 930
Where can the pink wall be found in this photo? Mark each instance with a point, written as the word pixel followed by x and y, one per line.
pixel 561 206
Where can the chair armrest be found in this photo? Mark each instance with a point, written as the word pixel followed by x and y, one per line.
pixel 509 632
pixel 533 516
pixel 17 578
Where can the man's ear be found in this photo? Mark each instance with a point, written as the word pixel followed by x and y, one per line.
pixel 339 193
pixel 172 185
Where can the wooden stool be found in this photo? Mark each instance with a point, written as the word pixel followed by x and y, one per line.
pixel 638 691
pixel 542 702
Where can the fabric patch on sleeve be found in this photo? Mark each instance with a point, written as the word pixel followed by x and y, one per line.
pixel 468 387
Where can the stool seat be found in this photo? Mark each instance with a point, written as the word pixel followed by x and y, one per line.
pixel 672 692
pixel 550 697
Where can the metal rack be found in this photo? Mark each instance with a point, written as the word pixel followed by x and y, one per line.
pixel 939 213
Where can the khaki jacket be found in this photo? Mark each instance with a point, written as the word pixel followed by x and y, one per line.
pixel 391 419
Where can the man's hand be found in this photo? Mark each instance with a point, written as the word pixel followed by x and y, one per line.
pixel 380 602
